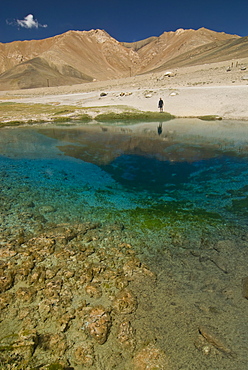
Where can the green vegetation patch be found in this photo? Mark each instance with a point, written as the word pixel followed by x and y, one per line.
pixel 61 119
pixel 20 123
pixel 15 114
pixel 11 123
pixel 210 118
pixel 55 367
pixel 131 117
pixel 25 109
pixel 84 118
pixel 64 111
pixel 2 104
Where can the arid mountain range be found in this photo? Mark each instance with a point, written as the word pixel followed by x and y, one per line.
pixel 85 56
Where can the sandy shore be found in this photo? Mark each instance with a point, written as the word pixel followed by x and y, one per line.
pixel 190 92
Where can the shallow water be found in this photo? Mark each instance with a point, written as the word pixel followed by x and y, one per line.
pixel 178 194
pixel 72 174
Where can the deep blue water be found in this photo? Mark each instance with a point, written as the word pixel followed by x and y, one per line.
pixel 56 175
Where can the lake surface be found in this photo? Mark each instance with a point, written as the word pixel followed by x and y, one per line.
pixel 75 173
pixel 180 195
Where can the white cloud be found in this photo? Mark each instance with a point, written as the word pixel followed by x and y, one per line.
pixel 28 22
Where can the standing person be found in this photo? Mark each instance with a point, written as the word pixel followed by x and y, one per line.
pixel 160 104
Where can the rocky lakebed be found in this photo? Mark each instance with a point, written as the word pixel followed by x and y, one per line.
pixel 83 297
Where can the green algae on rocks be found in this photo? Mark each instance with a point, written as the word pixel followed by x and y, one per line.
pixel 158 216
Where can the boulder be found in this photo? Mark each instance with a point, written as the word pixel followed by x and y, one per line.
pixel 169 74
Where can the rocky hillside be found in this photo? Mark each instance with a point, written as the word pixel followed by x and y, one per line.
pixel 217 51
pixel 83 56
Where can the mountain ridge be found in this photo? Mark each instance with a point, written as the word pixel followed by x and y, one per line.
pixel 83 56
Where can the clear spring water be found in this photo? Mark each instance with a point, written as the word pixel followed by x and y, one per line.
pixel 193 176
pixel 71 174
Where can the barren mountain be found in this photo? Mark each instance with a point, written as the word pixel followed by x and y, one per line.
pixel 213 52
pixel 83 56
pixel 171 44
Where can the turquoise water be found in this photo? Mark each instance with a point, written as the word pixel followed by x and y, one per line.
pixel 73 174
pixel 180 200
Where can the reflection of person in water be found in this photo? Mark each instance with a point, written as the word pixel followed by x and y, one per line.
pixel 160 128
pixel 160 104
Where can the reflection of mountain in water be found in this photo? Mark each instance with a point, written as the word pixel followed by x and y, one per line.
pixel 153 163
pixel 118 168
pixel 102 147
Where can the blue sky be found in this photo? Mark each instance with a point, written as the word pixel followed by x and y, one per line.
pixel 125 20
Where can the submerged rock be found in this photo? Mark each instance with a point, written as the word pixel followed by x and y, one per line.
pixel 126 336
pixel 125 302
pixel 98 324
pixel 53 282
pixel 149 358
pixel 84 354
pixel 93 290
pixel 6 279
